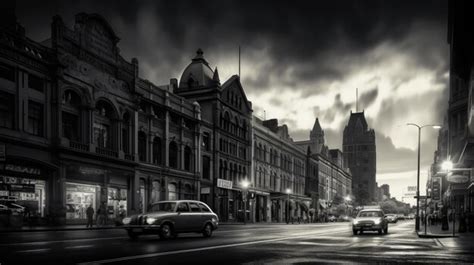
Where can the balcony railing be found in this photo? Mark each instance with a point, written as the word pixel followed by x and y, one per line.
pixel 79 146
pixel 106 152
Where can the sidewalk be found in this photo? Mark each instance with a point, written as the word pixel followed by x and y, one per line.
pixel 436 231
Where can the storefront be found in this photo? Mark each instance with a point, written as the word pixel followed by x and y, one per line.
pixel 106 189
pixel 24 187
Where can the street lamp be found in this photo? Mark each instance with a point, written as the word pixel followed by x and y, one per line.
pixel 245 185
pixel 417 222
pixel 288 191
pixel 347 199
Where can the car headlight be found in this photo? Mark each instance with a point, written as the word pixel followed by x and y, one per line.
pixel 355 222
pixel 150 220
pixel 378 221
pixel 214 219
pixel 126 220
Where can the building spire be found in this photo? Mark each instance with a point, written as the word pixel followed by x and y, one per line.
pixel 357 100
pixel 239 63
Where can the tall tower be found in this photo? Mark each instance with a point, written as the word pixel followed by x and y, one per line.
pixel 360 155
pixel 316 137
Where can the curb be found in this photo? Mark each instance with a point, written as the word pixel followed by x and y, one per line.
pixel 59 229
pixel 422 235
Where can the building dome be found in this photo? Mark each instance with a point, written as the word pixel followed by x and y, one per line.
pixel 197 74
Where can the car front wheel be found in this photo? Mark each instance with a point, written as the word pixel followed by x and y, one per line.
pixel 354 231
pixel 386 230
pixel 166 232
pixel 207 231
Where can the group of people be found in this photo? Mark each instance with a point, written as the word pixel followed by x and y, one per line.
pixel 101 215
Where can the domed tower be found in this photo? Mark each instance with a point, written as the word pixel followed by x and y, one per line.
pixel 197 75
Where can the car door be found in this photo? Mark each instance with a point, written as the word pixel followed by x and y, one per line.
pixel 207 215
pixel 183 217
pixel 196 219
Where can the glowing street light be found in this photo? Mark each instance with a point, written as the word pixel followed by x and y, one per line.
pixel 447 165
pixel 245 185
pixel 417 223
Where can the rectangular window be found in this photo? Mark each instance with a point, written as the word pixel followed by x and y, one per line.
pixel 7 110
pixel 206 167
pixel 70 126
pixel 35 83
pixel 206 142
pixel 7 72
pixel 35 118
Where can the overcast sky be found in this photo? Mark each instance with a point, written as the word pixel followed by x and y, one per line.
pixel 300 60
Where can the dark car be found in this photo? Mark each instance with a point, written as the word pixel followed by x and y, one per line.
pixel 370 220
pixel 168 218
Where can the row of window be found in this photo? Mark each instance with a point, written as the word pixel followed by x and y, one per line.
pixel 272 158
pixel 230 147
pixel 232 171
pixel 35 114
pixel 271 181
pixel 234 127
pixel 234 99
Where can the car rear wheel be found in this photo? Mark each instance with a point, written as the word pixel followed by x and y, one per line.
pixel 166 231
pixel 132 235
pixel 207 231
pixel 386 230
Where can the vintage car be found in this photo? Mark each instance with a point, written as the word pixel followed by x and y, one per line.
pixel 391 218
pixel 370 220
pixel 168 218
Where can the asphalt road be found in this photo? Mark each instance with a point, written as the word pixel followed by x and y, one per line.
pixel 231 244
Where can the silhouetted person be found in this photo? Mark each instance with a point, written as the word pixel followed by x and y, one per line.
pixel 90 214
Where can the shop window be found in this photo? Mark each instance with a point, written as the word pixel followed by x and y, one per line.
pixel 173 154
pixel 35 83
pixel 206 167
pixel 78 199
pixel 155 191
pixel 142 203
pixel 142 146
pixel 7 72
pixel 187 158
pixel 7 110
pixel 35 118
pixel 70 126
pixel 157 150
pixel 172 192
pixel 116 203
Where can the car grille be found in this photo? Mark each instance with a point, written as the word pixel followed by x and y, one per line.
pixel 367 222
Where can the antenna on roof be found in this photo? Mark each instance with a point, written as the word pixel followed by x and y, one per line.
pixel 357 100
pixel 239 62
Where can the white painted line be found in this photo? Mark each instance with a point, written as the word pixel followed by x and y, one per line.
pixel 61 241
pixel 34 250
pixel 80 246
pixel 438 243
pixel 152 255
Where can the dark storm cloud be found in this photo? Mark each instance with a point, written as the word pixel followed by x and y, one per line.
pixel 366 99
pixel 301 34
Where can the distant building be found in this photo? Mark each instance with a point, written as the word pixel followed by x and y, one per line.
pixel 360 155
pixel 385 191
pixel 326 169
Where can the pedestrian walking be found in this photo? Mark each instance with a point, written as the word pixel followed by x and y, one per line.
pixel 90 214
pixel 99 216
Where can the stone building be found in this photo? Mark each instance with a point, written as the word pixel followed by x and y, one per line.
pixel 360 155
pixel 279 169
pixel 226 117
pixel 327 174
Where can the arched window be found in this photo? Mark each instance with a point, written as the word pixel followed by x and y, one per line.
pixel 227 121
pixel 173 154
pixel 237 126
pixel 172 195
pixel 264 158
pixel 260 151
pixel 71 121
pixel 155 191
pixel 142 146
pixel 157 150
pixel 187 158
pixel 126 133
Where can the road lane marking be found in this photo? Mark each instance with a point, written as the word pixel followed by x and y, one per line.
pixel 60 241
pixel 174 252
pixel 80 246
pixel 33 250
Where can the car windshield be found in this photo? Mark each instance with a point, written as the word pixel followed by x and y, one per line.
pixel 163 207
pixel 370 214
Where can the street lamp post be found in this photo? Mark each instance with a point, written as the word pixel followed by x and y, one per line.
pixel 245 185
pixel 417 222
pixel 288 191
pixel 347 199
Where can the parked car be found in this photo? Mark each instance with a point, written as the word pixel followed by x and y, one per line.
pixel 370 220
pixel 391 218
pixel 344 218
pixel 332 218
pixel 168 218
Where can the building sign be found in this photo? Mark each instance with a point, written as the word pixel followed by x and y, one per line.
pixel 22 169
pixel 459 176
pixel 436 189
pixel 3 153
pixel 412 188
pixel 205 190
pixel 28 188
pixel 225 184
